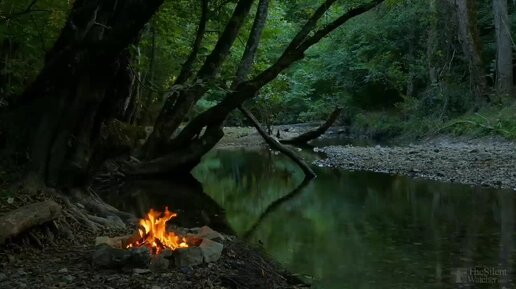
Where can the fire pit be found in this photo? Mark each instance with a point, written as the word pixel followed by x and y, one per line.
pixel 157 246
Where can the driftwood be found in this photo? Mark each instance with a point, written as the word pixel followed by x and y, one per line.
pixel 273 143
pixel 313 134
pixel 24 218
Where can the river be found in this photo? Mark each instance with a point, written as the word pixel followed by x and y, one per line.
pixel 347 229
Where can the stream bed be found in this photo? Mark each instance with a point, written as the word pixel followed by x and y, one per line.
pixel 349 229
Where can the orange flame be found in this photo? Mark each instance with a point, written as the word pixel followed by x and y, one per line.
pixel 153 233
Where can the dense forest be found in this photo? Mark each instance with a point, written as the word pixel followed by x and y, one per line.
pixel 408 68
pixel 106 91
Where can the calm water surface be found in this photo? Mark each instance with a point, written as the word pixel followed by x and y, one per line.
pixel 357 229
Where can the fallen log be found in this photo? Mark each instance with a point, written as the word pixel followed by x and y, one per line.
pixel 313 134
pixel 274 144
pixel 24 218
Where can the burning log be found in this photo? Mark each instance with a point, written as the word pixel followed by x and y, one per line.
pixel 24 218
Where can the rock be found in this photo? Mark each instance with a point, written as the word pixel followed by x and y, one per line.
pixel 64 270
pixel 139 258
pixel 206 232
pixel 116 242
pixel 2 277
pixel 108 257
pixel 188 256
pixel 69 278
pixel 159 263
pixel 141 271
pixel 115 222
pixel 10 200
pixel 211 250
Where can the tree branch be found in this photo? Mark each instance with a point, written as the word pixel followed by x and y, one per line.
pixel 248 89
pixel 186 70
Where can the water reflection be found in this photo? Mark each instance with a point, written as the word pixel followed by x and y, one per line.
pixel 362 230
pixel 183 196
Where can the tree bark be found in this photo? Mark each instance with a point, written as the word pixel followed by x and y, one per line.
pixel 313 134
pixel 173 114
pixel 24 218
pixel 471 47
pixel 504 69
pixel 432 43
pixel 252 43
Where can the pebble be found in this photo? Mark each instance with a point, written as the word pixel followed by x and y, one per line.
pixel 69 278
pixel 477 162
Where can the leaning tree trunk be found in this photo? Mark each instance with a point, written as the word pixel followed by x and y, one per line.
pixel 274 144
pixel 204 131
pixel 64 101
pixel 313 134
pixel 504 73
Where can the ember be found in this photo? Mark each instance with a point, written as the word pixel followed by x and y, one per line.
pixel 153 233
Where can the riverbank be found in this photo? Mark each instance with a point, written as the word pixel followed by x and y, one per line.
pixel 487 161
pixel 481 162
pixel 59 255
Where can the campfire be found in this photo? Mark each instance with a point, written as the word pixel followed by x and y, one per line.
pixel 153 233
pixel 156 247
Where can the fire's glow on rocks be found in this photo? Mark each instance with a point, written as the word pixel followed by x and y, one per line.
pixel 153 233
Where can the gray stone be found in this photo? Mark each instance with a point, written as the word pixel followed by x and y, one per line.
pixel 188 256
pixel 69 278
pixel 115 222
pixel 159 263
pixel 3 276
pixel 211 250
pixel 141 271
pixel 108 257
pixel 115 242
pixel 206 232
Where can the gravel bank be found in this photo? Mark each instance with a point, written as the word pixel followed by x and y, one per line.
pixel 490 163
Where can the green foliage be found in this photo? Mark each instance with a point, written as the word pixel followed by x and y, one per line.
pixel 498 120
pixel 25 36
pixel 376 66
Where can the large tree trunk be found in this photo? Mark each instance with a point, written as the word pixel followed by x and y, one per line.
pixel 504 73
pixel 179 105
pixel 64 101
pixel 471 47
